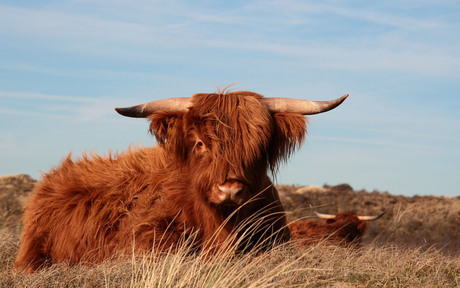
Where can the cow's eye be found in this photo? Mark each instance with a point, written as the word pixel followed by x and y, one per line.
pixel 199 146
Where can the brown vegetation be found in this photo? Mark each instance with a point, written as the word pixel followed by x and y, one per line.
pixel 14 191
pixel 408 247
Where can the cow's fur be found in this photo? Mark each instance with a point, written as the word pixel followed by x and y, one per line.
pixel 89 209
pixel 345 229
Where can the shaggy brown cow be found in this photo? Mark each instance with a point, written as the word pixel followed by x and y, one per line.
pixel 344 228
pixel 206 177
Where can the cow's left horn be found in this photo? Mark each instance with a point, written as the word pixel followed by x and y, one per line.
pixel 324 216
pixel 305 107
pixel 371 218
pixel 144 110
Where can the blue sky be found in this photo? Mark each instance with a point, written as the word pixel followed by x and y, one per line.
pixel 64 66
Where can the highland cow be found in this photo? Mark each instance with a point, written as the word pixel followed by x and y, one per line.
pixel 206 180
pixel 345 228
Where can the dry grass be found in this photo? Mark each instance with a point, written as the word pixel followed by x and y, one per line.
pixel 317 266
pixel 382 262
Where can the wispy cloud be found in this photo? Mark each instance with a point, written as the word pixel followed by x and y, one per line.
pixel 72 108
pixel 369 12
pixel 397 49
pixel 38 96
pixel 67 26
pixel 72 72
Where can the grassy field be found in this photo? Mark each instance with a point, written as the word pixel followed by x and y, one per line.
pixel 409 247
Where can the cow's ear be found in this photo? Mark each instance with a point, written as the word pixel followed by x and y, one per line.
pixel 168 129
pixel 288 135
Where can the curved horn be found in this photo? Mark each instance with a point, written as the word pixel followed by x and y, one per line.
pixel 371 218
pixel 144 110
pixel 305 107
pixel 324 216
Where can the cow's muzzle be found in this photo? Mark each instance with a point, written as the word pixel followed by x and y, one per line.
pixel 231 191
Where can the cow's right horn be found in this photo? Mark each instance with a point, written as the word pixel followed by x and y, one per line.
pixel 144 110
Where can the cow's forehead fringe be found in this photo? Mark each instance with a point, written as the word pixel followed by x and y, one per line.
pixel 233 112
pixel 230 103
pixel 237 120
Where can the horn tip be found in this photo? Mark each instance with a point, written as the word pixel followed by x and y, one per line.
pixel 121 111
pixel 340 100
pixel 128 112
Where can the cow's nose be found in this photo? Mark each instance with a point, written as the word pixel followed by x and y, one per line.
pixel 231 191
